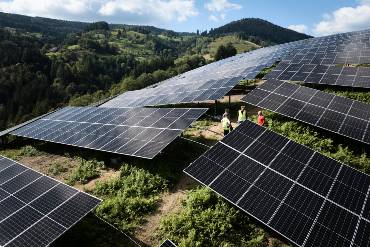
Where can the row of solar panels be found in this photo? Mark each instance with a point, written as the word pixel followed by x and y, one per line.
pixel 222 76
pixel 308 198
pixel 324 110
pixel 144 132
pixel 322 74
pixel 36 209
pixel 140 132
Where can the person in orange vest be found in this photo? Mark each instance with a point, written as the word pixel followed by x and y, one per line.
pixel 261 119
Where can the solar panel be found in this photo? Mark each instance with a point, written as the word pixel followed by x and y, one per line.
pixel 340 115
pixel 36 209
pixel 343 48
pixel 210 82
pixel 168 243
pixel 140 132
pixel 322 74
pixel 307 198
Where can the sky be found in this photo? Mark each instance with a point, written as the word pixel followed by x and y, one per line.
pixel 314 17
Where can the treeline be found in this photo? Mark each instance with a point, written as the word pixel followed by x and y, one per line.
pixel 25 85
pixel 50 28
pixel 135 82
pixel 32 83
pixel 258 31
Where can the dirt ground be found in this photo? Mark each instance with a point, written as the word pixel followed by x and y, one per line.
pixel 171 203
pixel 43 163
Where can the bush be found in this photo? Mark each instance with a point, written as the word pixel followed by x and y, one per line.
pixel 85 171
pixel 128 198
pixel 56 168
pixel 207 220
pixel 29 151
pixel 225 51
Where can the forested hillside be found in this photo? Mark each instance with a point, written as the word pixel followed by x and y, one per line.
pixel 47 63
pixel 258 31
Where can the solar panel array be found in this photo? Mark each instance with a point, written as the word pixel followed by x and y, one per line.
pixel 308 198
pixel 36 209
pixel 140 132
pixel 168 243
pixel 210 82
pixel 344 48
pixel 337 114
pixel 322 74
pixel 213 81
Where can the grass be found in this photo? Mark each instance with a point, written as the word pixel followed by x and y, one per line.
pixel 22 151
pixel 240 45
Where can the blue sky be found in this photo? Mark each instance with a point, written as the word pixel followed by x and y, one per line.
pixel 315 17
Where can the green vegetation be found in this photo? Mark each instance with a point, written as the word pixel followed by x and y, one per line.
pixel 258 31
pixel 129 197
pixel 225 51
pixel 56 168
pixel 360 96
pixel 85 171
pixel 322 143
pixel 29 151
pixel 240 44
pixel 48 63
pixel 207 220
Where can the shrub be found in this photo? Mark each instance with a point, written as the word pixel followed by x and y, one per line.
pixel 85 171
pixel 29 151
pixel 56 168
pixel 129 197
pixel 207 220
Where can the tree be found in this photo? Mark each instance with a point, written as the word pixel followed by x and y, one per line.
pixel 100 25
pixel 225 51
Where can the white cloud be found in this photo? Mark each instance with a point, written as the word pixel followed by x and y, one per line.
pixel 213 18
pixel 298 28
pixel 218 9
pixel 221 5
pixel 163 10
pixel 150 12
pixel 345 19
pixel 217 18
pixel 48 8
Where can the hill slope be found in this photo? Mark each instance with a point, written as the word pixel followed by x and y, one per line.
pixel 258 31
pixel 53 28
pixel 47 63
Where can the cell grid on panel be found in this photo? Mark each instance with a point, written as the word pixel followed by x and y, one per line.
pixel 274 184
pixel 230 185
pixel 292 224
pixel 259 204
pixel 204 170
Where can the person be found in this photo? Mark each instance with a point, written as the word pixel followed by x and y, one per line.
pixel 225 113
pixel 261 119
pixel 242 115
pixel 226 124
